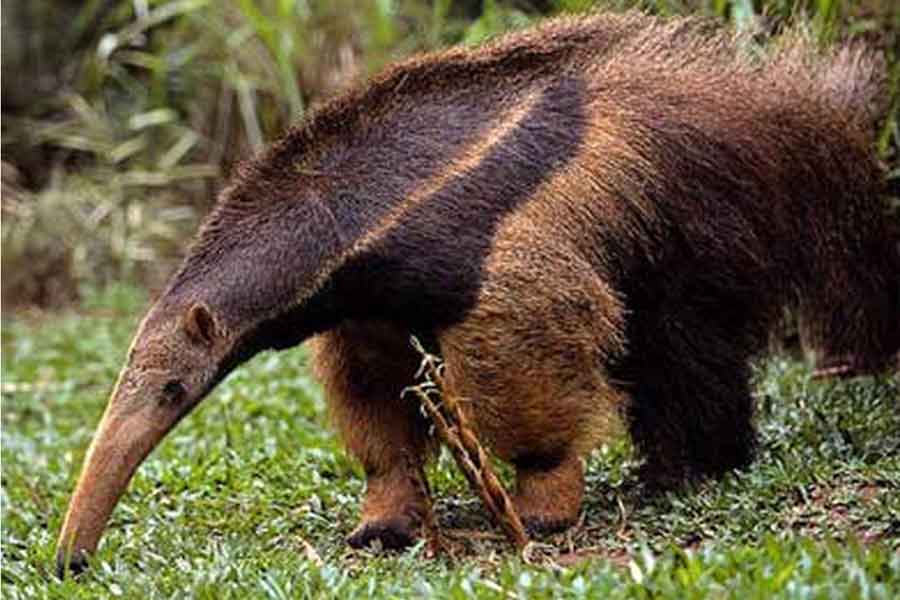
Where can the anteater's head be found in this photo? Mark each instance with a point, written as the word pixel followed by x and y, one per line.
pixel 177 356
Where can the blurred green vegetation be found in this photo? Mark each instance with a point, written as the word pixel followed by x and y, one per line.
pixel 121 117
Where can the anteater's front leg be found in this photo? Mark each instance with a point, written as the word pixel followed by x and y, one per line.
pixel 364 367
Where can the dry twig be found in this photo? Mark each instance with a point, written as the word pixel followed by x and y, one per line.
pixel 452 427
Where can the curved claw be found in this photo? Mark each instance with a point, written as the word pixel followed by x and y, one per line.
pixel 393 534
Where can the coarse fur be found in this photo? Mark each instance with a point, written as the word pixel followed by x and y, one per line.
pixel 602 214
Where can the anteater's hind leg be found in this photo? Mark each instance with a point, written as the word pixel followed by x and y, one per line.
pixel 691 414
pixel 528 362
pixel 364 367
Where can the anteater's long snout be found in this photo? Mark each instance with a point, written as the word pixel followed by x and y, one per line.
pixel 122 442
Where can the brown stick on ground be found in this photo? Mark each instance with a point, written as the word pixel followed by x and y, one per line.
pixel 455 432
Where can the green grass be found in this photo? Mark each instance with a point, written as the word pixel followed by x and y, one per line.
pixel 228 503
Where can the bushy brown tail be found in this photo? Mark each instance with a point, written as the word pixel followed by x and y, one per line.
pixel 856 81
pixel 851 78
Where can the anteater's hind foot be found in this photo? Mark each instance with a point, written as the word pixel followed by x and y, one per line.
pixel 549 492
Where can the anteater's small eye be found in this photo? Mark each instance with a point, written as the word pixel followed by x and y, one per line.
pixel 173 389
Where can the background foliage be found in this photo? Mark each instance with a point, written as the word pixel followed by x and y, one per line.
pixel 121 117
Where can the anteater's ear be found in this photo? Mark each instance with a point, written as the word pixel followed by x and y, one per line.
pixel 200 325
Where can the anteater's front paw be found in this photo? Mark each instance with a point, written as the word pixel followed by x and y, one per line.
pixel 393 534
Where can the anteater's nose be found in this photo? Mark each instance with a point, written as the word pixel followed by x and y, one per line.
pixel 75 564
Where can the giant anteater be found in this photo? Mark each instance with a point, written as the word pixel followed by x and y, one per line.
pixel 602 214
